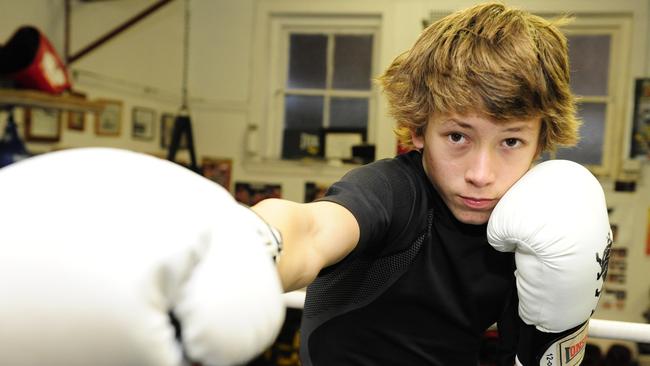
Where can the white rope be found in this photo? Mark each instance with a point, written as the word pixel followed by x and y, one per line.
pixel 626 331
pixel 598 328
pixel 294 299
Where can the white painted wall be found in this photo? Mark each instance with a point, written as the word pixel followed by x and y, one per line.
pixel 143 67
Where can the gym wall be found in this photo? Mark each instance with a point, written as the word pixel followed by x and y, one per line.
pixel 143 67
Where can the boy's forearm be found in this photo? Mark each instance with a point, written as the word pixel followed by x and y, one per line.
pixel 296 267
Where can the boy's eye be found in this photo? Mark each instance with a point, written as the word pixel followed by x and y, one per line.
pixel 455 137
pixel 512 142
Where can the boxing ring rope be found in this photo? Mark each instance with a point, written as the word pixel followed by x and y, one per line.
pixel 626 331
pixel 598 328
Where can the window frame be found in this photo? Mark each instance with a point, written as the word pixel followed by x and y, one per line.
pixel 281 27
pixel 618 28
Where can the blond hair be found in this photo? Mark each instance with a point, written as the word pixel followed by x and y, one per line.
pixel 489 59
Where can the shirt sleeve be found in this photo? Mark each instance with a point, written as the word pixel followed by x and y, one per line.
pixel 381 196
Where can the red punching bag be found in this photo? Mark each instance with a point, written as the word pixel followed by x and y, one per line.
pixel 29 59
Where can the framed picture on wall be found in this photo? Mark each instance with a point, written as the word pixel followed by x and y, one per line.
pixel 108 122
pixel 218 170
pixel 76 120
pixel 42 124
pixel 143 123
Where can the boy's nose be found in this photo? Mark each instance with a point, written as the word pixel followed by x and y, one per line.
pixel 481 171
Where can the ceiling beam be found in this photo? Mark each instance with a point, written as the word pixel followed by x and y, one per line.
pixel 109 35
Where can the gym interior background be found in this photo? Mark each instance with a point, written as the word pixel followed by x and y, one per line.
pixel 281 101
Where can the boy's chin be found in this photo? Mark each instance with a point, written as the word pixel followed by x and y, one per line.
pixel 473 218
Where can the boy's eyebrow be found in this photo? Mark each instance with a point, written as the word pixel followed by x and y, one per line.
pixel 454 121
pixel 516 128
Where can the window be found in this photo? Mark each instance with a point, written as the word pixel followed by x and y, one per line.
pixel 597 54
pixel 589 55
pixel 323 82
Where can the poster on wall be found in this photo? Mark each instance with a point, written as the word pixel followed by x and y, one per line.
pixel 217 170
pixel 640 142
pixel 251 193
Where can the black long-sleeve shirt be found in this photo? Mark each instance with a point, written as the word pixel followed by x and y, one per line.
pixel 420 288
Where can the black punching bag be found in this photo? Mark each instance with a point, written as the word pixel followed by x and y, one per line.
pixel 182 131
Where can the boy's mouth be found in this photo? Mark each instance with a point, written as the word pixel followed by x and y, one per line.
pixel 478 203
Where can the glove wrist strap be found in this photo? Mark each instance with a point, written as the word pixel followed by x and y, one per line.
pixel 552 349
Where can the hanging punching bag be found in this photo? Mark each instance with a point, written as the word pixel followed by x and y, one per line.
pixel 30 60
pixel 183 124
pixel 183 131
pixel 12 148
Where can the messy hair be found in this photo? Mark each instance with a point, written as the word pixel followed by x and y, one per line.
pixel 491 60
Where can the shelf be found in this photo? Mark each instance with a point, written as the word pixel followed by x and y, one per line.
pixel 33 98
pixel 299 168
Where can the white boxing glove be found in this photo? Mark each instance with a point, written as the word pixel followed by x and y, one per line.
pixel 555 220
pixel 98 245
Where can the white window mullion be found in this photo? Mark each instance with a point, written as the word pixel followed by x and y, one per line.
pixel 329 75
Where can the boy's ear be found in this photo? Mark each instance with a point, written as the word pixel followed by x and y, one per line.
pixel 541 142
pixel 540 151
pixel 417 137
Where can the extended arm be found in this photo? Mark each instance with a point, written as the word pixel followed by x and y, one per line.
pixel 315 235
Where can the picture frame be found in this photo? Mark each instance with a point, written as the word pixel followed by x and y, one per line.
pixel 75 120
pixel 218 170
pixel 143 123
pixel 166 129
pixel 42 124
pixel 338 143
pixel 108 122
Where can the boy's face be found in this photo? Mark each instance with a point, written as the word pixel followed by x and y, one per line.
pixel 472 161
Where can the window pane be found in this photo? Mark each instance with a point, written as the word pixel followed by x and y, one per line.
pixel 307 61
pixel 303 112
pixel 349 112
pixel 352 62
pixel 590 148
pixel 589 57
